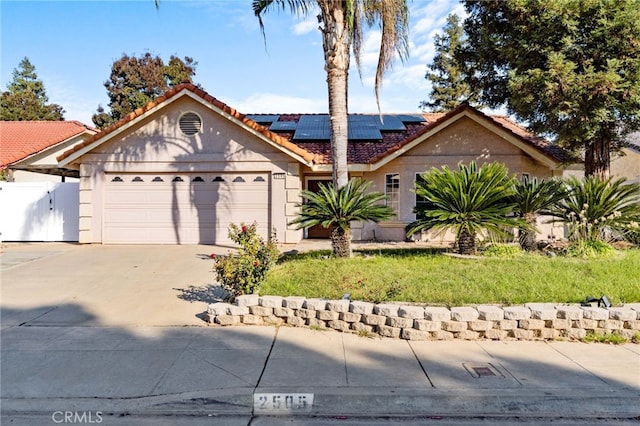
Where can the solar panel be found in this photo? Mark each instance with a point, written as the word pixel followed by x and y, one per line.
pixel 313 127
pixel 263 118
pixel 363 127
pixel 283 126
pixel 408 118
pixel 389 123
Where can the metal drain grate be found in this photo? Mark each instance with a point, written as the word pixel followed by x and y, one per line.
pixel 481 370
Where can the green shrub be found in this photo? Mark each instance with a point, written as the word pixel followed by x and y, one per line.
pixel 244 272
pixel 589 248
pixel 503 250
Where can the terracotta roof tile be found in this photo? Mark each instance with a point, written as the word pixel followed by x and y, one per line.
pixel 20 139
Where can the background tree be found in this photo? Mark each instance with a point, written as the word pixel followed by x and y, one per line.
pixel 134 82
pixel 26 97
pixel 341 25
pixel 570 68
pixel 449 85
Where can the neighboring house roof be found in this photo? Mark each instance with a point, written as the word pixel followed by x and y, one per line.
pixel 22 139
pixel 373 143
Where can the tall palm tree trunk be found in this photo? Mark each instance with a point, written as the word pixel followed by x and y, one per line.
pixel 466 242
pixel 341 241
pixel 336 43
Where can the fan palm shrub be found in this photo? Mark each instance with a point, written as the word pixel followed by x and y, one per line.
pixel 468 201
pixel 535 197
pixel 594 208
pixel 336 208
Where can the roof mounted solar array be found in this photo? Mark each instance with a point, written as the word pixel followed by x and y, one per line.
pixel 408 118
pixel 363 127
pixel 389 123
pixel 263 118
pixel 283 126
pixel 313 127
pixel 360 126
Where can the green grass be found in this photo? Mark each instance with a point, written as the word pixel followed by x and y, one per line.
pixel 427 276
pixel 612 338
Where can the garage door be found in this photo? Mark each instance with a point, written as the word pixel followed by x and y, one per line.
pixel 183 208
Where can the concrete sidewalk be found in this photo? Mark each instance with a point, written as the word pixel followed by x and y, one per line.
pixel 110 332
pixel 242 373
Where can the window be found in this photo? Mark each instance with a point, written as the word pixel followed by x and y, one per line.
pixel 157 179
pixel 420 200
pixel 239 179
pixel 137 179
pixel 117 179
pixel 218 179
pixel 198 179
pixel 392 191
pixel 177 179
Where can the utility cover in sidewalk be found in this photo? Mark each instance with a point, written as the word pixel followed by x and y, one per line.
pixel 479 370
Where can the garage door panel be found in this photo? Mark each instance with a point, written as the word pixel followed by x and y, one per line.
pixel 158 209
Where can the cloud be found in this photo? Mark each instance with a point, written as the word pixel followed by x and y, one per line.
pixel 306 26
pixel 279 103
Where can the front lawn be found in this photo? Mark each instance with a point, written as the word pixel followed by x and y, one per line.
pixel 429 277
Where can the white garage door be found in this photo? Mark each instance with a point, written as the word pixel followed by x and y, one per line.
pixel 183 208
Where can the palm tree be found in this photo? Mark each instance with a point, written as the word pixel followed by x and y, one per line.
pixel 533 198
pixel 337 208
pixel 341 27
pixel 466 201
pixel 594 206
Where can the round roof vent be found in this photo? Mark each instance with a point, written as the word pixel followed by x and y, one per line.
pixel 190 123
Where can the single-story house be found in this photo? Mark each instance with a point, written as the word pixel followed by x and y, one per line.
pixel 28 149
pixel 185 166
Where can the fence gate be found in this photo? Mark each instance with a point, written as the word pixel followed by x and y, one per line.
pixel 39 211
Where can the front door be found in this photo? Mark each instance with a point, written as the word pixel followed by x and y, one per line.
pixel 317 231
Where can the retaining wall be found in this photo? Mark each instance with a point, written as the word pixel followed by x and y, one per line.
pixel 527 322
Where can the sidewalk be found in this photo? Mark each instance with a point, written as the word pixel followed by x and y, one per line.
pixel 240 372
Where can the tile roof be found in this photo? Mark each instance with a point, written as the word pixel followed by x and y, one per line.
pixel 319 151
pixel 20 139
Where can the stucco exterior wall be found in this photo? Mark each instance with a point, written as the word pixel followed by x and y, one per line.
pixel 627 165
pixel 155 144
pixel 462 142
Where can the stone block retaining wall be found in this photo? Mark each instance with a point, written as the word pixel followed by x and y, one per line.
pixel 527 322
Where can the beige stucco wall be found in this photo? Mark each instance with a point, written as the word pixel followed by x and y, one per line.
pixel 464 141
pixel 627 165
pixel 155 144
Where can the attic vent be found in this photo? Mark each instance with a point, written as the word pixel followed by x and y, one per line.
pixel 190 123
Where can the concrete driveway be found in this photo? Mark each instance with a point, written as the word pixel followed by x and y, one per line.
pixel 112 285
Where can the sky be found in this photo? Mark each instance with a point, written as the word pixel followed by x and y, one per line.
pixel 73 44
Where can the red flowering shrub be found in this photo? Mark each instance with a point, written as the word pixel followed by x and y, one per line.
pixel 243 272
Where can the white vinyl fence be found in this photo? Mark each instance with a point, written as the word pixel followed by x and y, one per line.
pixel 39 211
